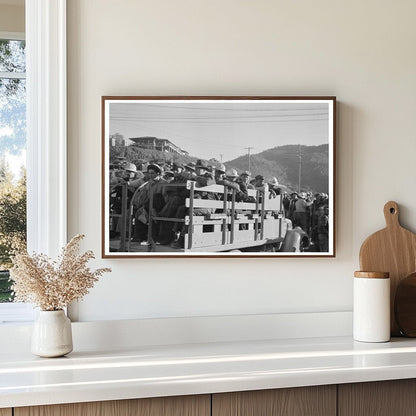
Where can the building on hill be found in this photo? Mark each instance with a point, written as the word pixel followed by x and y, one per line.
pixel 117 140
pixel 154 143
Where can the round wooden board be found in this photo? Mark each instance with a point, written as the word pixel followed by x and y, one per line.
pixel 405 306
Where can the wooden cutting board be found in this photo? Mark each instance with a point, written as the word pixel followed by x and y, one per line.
pixel 393 250
pixel 405 306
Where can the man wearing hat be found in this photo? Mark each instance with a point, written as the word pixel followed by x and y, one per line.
pixel 274 185
pixel 201 167
pixel 141 202
pixel 244 181
pixel 220 179
pixel 229 177
pixel 136 181
pixel 263 188
pixel 292 206
pixel 175 199
pixel 203 178
pixel 260 185
pixel 323 225
pixel 184 173
pixel 188 173
pixel 219 173
pixel 177 167
pixel 286 203
pixel 302 212
pixel 231 181
pixel 168 176
pixel 128 172
pixel 126 176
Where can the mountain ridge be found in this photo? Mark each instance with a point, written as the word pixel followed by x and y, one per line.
pixel 284 163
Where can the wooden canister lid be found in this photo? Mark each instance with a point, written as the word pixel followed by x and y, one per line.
pixel 372 275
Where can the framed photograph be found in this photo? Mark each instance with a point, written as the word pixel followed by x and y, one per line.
pixel 218 176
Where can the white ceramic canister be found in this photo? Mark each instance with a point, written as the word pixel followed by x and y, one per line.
pixel 371 309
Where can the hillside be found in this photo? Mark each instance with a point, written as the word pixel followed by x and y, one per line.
pixel 136 154
pixel 283 163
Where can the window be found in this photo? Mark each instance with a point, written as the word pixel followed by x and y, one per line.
pixel 12 164
pixel 12 154
pixel 46 135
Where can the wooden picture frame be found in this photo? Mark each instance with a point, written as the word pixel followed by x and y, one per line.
pixel 205 176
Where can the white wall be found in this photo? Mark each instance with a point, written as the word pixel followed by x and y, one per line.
pixel 363 52
pixel 12 17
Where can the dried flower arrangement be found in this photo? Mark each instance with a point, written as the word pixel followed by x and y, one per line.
pixel 53 285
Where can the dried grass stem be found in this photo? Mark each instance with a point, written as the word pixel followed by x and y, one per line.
pixel 53 285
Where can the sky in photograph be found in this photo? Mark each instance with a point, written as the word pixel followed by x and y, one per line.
pixel 221 129
pixel 13 106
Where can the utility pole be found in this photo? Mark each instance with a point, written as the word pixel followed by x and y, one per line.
pixel 221 157
pixel 248 152
pixel 300 167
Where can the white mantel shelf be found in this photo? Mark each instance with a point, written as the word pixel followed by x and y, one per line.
pixel 151 371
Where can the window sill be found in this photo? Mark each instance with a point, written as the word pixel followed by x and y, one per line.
pixel 16 313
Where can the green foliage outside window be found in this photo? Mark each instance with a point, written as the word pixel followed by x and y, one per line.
pixel 12 147
pixel 12 224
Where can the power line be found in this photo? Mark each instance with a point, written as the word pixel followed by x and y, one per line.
pixel 203 107
pixel 218 121
pixel 208 118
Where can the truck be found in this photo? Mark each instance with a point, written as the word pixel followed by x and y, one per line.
pixel 230 225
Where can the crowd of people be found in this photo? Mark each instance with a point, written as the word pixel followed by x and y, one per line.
pixel 311 213
pixel 306 210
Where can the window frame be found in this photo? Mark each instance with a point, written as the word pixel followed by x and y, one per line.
pixel 46 138
pixel 46 125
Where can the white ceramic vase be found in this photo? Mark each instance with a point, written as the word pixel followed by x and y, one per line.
pixel 52 334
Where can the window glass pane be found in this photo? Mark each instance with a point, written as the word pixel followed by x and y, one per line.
pixel 13 121
pixel 12 56
pixel 12 160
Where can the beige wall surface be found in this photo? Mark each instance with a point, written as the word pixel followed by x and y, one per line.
pixel 363 52
pixel 12 18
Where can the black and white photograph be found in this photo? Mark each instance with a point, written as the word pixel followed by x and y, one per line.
pixel 218 176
